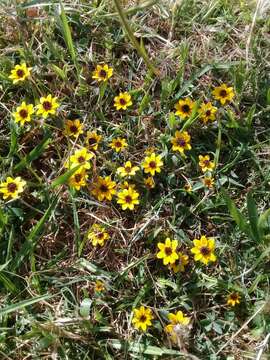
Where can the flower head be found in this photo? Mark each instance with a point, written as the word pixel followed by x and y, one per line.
pixel 127 170
pixel 208 182
pixel 23 113
pixel 73 128
pixel 12 187
pixel 180 263
pixel 80 157
pixel 178 322
pixel 104 188
pixel 92 140
pixel 152 164
pixel 207 112
pixel 233 299
pixel 19 73
pixel 118 144
pixel 168 251
pixel 79 179
pixel 102 72
pixel 184 108
pixel 128 198
pixel 122 101
pixel 205 163
pixel 47 106
pixel 181 141
pixel 149 182
pixel 204 250
pixel 223 93
pixel 97 235
pixel 142 318
pixel 188 188
pixel 99 286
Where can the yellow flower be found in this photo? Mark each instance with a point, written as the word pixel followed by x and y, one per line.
pixel 184 108
pixel 102 73
pixel 73 128
pixel 149 182
pixel 97 235
pixel 180 263
pixel 168 251
pixel 181 141
pixel 118 144
pixel 127 170
pixel 207 112
pixel 188 188
pixel 205 163
pixel 126 185
pixel 204 250
pixel 23 113
pixel 233 299
pixel 47 106
pixel 223 93
pixel 208 181
pixel 104 188
pixel 152 164
pixel 79 179
pixel 177 323
pixel 12 187
pixel 92 140
pixel 99 286
pixel 127 198
pixel 142 318
pixel 80 157
pixel 122 101
pixel 19 73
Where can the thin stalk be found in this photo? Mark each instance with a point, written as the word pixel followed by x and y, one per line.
pixel 132 38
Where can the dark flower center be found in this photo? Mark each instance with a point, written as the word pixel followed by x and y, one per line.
pixel 92 141
pixel 103 188
pixel 81 159
pixel 12 187
pixel 208 113
pixel 143 318
pixel 223 93
pixel 73 128
pixel 20 73
pixel 205 250
pixel 47 105
pixel 128 199
pixel 118 144
pixel 152 164
pixel 122 101
pixel 181 142
pixel 168 251
pixel 100 235
pixel 103 74
pixel 23 113
pixel 78 177
pixel 185 108
pixel 128 169
pixel 233 296
pixel 206 162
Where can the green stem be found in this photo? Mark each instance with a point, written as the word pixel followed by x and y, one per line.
pixel 132 38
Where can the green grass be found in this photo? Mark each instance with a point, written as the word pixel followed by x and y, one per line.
pixel 48 307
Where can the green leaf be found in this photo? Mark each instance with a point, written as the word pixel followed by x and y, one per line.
pixel 253 217
pixel 85 307
pixel 7 283
pixel 235 214
pixel 34 236
pixel 264 223
pixel 22 304
pixel 34 154
pixel 62 179
pixel 135 347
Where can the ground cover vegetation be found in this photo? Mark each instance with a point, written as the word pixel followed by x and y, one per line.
pixel 134 179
